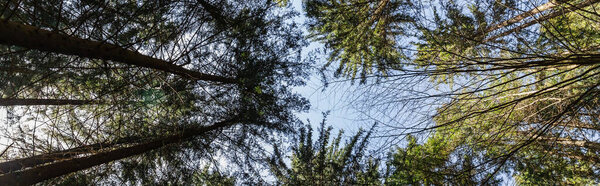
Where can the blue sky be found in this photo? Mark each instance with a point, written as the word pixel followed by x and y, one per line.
pixel 334 98
pixel 338 98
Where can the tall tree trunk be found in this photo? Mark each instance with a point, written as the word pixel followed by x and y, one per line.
pixel 25 102
pixel 18 164
pixel 522 16
pixel 45 172
pixel 31 37
pixel 543 18
pixel 16 70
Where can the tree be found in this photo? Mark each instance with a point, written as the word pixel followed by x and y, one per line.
pixel 12 102
pixel 325 162
pixel 147 76
pixel 522 112
pixel 47 171
pixel 438 161
pixel 35 38
pixel 19 164
pixel 540 104
pixel 207 178
pixel 359 34
pixel 501 78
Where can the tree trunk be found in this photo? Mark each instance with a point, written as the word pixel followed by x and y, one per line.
pixel 522 16
pixel 45 172
pixel 26 36
pixel 26 102
pixel 18 164
pixel 543 18
pixel 16 70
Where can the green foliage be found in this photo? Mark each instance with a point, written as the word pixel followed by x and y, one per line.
pixel 525 105
pixel 418 164
pixel 535 168
pixel 438 161
pixel 445 51
pixel 523 108
pixel 576 31
pixel 360 34
pixel 205 177
pixel 249 41
pixel 514 104
pixel 326 161
pixel 282 2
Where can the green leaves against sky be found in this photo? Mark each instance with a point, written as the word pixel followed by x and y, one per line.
pixel 204 92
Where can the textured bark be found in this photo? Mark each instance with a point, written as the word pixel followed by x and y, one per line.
pixel 16 70
pixel 26 36
pixel 25 102
pixel 18 164
pixel 522 16
pixel 45 172
pixel 543 18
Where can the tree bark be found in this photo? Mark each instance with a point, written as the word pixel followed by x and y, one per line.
pixel 31 37
pixel 18 164
pixel 45 172
pixel 543 18
pixel 522 16
pixel 27 102
pixel 16 70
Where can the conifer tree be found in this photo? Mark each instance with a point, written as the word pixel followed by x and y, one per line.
pixel 167 66
pixel 327 161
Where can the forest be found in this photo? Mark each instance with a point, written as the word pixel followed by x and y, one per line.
pixel 213 92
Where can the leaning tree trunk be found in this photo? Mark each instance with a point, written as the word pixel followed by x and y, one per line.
pixel 543 18
pixel 522 16
pixel 45 172
pixel 28 102
pixel 18 164
pixel 31 37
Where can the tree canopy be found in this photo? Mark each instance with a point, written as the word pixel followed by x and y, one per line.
pixel 204 92
pixel 155 86
pixel 507 86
